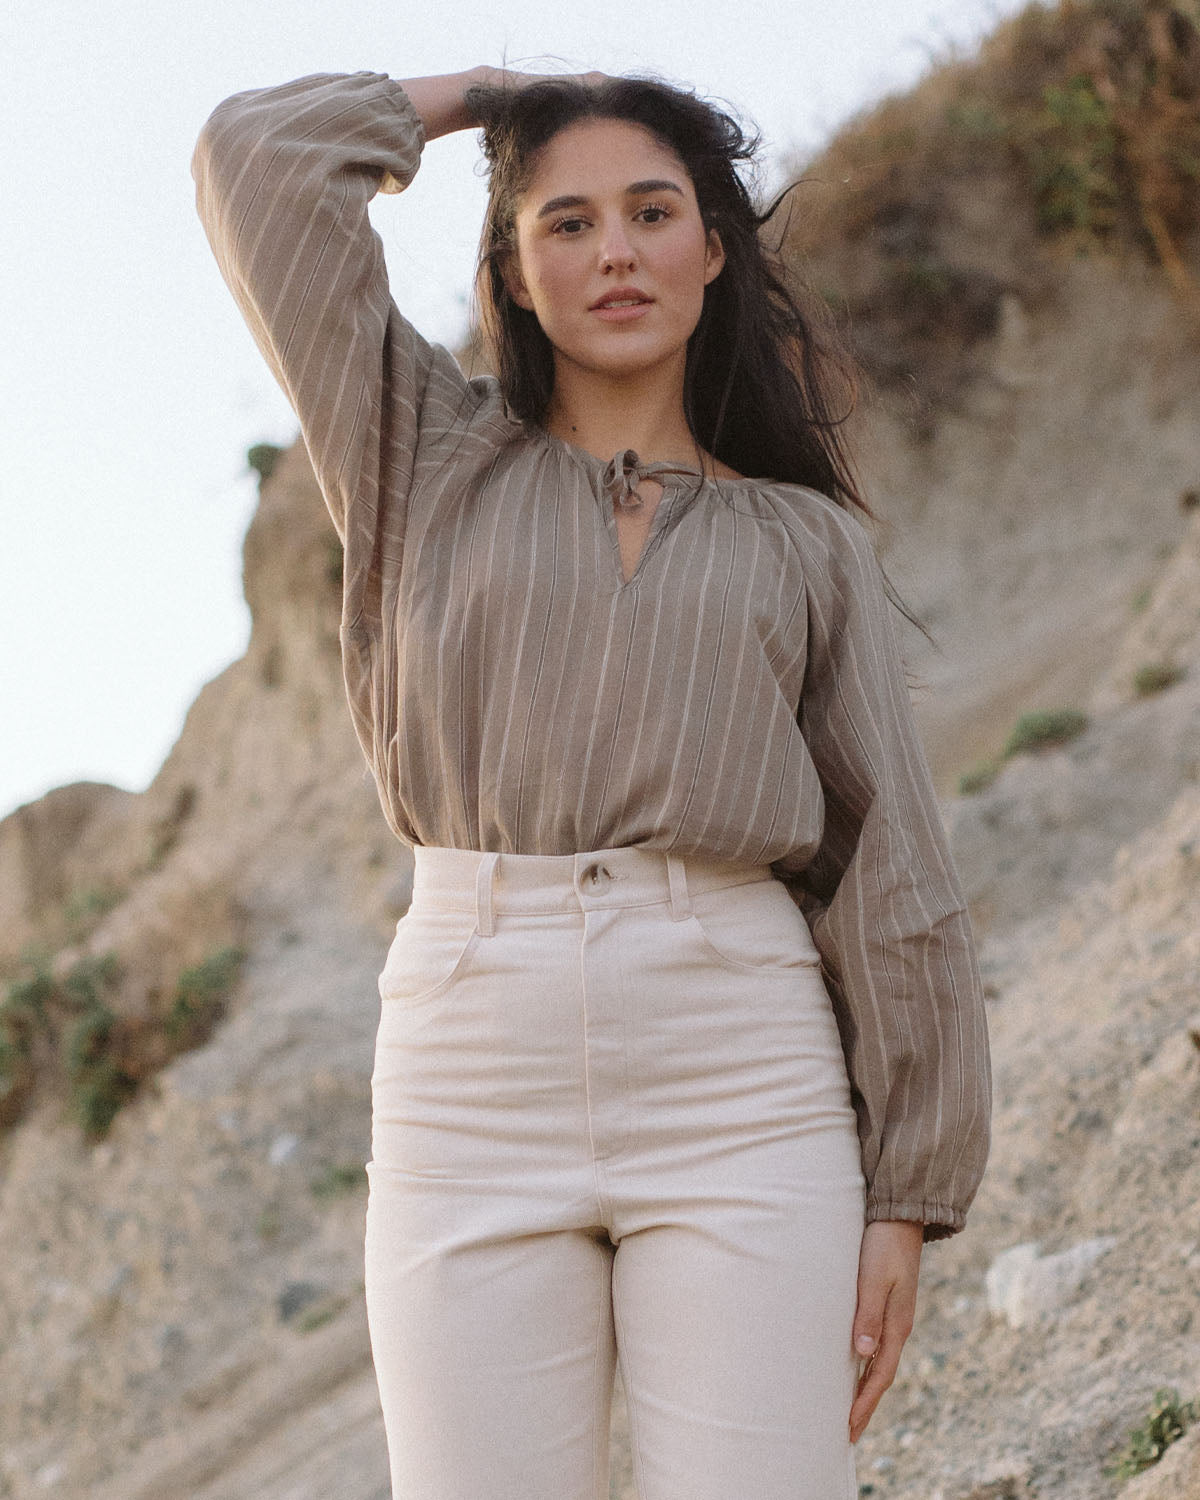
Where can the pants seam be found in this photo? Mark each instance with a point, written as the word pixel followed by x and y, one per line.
pixel 635 1440
pixel 600 1455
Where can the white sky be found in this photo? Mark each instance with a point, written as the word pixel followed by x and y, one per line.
pixel 130 389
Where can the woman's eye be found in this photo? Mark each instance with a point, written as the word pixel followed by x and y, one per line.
pixel 653 212
pixel 567 226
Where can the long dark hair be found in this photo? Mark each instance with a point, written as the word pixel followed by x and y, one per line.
pixel 766 370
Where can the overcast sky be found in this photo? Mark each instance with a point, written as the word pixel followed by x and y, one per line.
pixel 130 389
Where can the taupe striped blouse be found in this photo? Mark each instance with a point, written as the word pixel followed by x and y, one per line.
pixel 740 697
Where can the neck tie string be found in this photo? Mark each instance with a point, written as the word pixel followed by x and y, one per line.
pixel 621 478
pixel 625 471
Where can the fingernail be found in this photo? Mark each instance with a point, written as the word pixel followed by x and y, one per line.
pixel 865 1344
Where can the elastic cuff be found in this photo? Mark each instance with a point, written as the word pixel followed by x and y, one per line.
pixel 394 93
pixel 941 1220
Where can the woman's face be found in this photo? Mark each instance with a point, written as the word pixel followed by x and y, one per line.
pixel 612 254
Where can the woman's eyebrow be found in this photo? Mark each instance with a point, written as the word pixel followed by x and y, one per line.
pixel 576 200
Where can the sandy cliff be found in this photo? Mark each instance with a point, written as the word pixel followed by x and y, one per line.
pixel 181 1301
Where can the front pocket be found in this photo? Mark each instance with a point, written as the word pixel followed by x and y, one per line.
pixel 754 927
pixel 430 949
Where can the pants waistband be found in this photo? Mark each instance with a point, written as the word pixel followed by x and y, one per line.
pixel 466 879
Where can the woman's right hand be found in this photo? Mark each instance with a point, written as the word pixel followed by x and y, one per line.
pixel 510 78
pixel 441 100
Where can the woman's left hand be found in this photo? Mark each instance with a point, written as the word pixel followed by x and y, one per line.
pixel 889 1263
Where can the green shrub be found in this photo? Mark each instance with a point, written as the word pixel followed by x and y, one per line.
pixel 24 1014
pixel 88 1039
pixel 979 777
pixel 97 1082
pixel 66 1028
pixel 1035 731
pixel 316 1317
pixel 25 1006
pixel 85 907
pixel 338 1179
pixel 976 120
pixel 1154 676
pixel 1168 1419
pixel 16 1079
pixel 262 458
pixel 200 996
pixel 1071 155
pixel 87 980
pixel 97 1095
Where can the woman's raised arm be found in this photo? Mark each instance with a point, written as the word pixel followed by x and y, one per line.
pixel 283 179
pixel 440 101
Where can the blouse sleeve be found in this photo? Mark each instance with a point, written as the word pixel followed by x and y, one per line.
pixel 886 909
pixel 283 178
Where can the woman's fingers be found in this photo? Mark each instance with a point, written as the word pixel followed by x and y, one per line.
pixel 888 1269
pixel 510 78
pixel 878 1374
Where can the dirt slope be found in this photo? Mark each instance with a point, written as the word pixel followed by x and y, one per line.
pixel 180 1304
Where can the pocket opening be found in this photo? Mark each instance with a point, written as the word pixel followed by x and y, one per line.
pixel 430 950
pixel 755 928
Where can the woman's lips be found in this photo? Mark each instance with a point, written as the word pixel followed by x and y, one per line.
pixel 624 314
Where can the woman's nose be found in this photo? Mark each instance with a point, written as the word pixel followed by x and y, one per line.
pixel 616 248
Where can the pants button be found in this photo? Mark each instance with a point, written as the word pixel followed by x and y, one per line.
pixel 598 875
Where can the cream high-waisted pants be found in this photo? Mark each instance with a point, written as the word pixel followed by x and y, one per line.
pixel 611 1122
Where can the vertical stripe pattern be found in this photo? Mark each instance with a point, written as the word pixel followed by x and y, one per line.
pixel 740 697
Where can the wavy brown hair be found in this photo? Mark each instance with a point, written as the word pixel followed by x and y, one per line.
pixel 768 382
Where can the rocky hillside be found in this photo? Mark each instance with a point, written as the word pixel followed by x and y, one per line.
pixel 181 1295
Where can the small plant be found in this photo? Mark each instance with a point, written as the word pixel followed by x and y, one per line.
pixel 99 1086
pixel 92 1048
pixel 64 1028
pixel 336 1180
pixel 87 980
pixel 976 119
pixel 200 996
pixel 1168 1419
pixel 24 1015
pixel 16 1079
pixel 1154 676
pixel 270 1223
pixel 1071 156
pixel 1039 730
pixel 166 830
pixel 979 777
pixel 25 1005
pixel 262 458
pixel 85 907
pixel 316 1317
pixel 1140 601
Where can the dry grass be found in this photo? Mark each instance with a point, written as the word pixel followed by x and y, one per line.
pixel 1074 131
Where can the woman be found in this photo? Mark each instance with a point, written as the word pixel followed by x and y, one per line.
pixel 682 1053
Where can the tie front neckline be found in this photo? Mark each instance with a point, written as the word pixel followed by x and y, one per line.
pixel 625 471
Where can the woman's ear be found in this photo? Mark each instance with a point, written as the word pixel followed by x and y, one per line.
pixel 514 282
pixel 714 257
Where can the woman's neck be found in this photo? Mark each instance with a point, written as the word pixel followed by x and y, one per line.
pixel 605 415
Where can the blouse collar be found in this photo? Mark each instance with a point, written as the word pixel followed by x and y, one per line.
pixel 625 471
pixel 621 475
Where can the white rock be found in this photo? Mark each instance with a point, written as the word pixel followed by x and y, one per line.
pixel 1007 1274
pixel 1025 1287
pixel 283 1148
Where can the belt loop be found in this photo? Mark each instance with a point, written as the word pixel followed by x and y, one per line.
pixel 484 881
pixel 681 901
